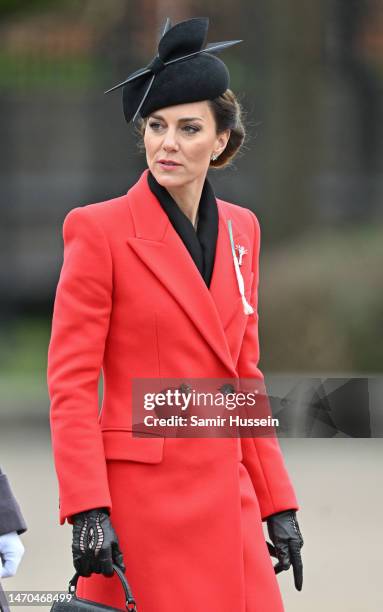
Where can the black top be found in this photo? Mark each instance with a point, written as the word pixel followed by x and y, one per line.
pixel 202 243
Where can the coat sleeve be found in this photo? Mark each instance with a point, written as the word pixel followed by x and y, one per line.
pixel 11 518
pixel 262 456
pixel 80 325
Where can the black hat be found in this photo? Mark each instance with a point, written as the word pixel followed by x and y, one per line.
pixel 182 71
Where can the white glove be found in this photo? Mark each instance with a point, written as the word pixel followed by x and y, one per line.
pixel 11 552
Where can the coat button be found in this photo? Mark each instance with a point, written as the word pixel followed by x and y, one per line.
pixel 184 388
pixel 227 388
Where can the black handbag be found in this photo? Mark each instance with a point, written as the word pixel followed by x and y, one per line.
pixel 76 604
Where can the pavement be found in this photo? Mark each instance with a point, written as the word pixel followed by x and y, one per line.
pixel 338 483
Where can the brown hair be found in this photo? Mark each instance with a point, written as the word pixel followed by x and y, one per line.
pixel 228 114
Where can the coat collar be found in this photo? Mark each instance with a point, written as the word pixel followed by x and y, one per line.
pixel 161 249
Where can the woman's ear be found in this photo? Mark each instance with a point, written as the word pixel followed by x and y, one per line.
pixel 223 138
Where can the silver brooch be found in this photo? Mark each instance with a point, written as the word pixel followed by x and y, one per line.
pixel 241 252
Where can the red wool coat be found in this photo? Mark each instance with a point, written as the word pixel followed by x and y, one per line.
pixel 188 512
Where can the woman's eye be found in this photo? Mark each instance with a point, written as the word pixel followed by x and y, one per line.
pixel 192 129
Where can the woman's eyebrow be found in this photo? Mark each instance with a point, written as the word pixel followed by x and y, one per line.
pixel 182 118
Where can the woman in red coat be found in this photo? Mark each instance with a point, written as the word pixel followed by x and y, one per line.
pixel 161 283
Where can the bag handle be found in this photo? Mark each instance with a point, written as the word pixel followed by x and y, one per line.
pixel 130 602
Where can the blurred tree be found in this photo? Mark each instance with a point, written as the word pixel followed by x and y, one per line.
pixel 8 7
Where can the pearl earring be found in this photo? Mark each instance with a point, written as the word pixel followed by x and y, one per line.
pixel 214 157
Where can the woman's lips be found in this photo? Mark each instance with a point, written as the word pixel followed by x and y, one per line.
pixel 168 166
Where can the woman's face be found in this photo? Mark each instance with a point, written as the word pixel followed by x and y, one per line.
pixel 185 134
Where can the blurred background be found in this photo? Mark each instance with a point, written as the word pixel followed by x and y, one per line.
pixel 310 79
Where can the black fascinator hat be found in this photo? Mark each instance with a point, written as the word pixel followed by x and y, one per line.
pixel 184 70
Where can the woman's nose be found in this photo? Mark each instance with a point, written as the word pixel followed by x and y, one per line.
pixel 170 140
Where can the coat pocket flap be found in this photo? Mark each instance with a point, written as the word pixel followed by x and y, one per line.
pixel 120 444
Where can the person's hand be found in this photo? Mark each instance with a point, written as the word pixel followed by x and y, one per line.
pixel 285 534
pixel 11 553
pixel 95 544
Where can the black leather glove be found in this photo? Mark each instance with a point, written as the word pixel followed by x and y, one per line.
pixel 285 534
pixel 95 544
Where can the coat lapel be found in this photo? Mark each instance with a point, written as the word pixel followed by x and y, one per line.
pixel 161 249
